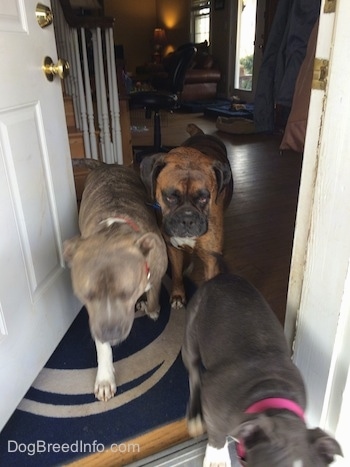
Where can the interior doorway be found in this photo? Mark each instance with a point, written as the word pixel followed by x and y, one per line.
pixel 246 47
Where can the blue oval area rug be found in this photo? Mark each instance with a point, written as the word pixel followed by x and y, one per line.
pixel 59 419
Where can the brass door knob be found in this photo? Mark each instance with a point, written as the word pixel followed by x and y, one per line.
pixel 51 70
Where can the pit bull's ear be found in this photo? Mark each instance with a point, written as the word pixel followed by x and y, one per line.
pixel 223 174
pixel 257 429
pixel 325 446
pixel 147 242
pixel 149 171
pixel 70 247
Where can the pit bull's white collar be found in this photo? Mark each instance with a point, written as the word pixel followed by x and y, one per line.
pixel 120 220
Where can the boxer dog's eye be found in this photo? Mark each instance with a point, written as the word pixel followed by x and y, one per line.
pixel 171 199
pixel 203 200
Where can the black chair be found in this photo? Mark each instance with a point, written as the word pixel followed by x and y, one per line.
pixel 168 97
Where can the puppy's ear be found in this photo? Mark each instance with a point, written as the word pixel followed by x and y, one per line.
pixel 325 446
pixel 223 174
pixel 149 171
pixel 255 430
pixel 70 247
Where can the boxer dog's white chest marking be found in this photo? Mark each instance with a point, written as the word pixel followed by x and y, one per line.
pixel 179 242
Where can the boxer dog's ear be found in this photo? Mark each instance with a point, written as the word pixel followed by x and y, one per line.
pixel 149 169
pixel 223 175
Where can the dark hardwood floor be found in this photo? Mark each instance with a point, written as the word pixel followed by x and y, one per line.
pixel 259 223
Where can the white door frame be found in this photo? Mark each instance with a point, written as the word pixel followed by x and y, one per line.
pixel 318 304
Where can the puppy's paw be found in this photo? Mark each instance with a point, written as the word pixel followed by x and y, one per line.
pixel 105 390
pixel 217 457
pixel 177 302
pixel 196 426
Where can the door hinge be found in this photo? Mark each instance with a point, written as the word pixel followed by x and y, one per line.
pixel 329 6
pixel 320 74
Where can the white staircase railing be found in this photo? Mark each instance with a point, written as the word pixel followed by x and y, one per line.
pixel 87 43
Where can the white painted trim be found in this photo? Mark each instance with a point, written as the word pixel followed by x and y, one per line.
pixel 307 182
pixel 319 288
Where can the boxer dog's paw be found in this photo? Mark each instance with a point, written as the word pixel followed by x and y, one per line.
pixel 177 302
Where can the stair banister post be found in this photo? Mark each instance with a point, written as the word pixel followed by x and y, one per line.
pixel 88 97
pixel 114 98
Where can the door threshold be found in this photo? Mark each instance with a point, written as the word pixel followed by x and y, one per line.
pixel 187 454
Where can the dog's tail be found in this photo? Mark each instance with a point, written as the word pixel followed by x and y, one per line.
pixel 193 129
pixel 87 163
pixel 222 265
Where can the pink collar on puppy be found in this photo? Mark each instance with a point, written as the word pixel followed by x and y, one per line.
pixel 276 403
pixel 268 404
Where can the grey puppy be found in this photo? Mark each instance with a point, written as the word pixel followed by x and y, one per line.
pixel 119 256
pixel 243 382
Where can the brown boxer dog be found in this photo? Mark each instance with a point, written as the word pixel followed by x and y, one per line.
pixel 193 185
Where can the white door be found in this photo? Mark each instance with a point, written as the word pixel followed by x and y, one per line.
pixel 38 207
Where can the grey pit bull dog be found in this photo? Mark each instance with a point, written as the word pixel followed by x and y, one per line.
pixel 243 382
pixel 119 256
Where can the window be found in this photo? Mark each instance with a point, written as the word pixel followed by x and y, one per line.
pixel 200 21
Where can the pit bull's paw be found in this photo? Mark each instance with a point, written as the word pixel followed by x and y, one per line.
pixel 105 390
pixel 153 314
pixel 196 426
pixel 217 457
pixel 141 305
pixel 177 302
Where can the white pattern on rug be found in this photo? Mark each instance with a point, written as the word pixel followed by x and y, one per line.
pixel 161 352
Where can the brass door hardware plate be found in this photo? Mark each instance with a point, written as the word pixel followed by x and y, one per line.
pixel 320 74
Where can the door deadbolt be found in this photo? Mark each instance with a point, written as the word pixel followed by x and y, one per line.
pixel 51 70
pixel 43 15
